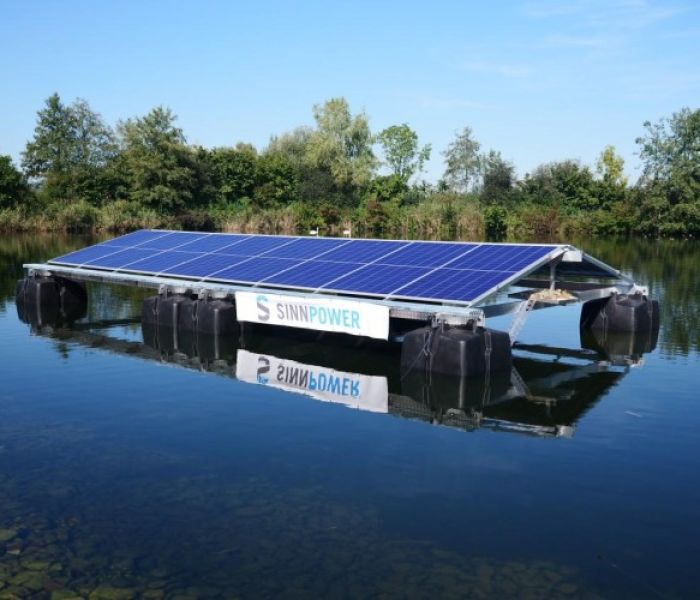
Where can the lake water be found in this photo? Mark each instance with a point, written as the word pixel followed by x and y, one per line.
pixel 132 469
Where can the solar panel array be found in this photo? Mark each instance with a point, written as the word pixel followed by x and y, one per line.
pixel 432 271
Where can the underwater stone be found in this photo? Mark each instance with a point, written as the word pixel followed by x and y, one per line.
pixel 567 588
pixel 13 593
pixel 111 593
pixel 65 595
pixel 7 534
pixel 35 565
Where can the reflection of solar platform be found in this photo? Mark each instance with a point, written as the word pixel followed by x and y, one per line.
pixel 453 272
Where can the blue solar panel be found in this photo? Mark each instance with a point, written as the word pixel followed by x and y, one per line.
pixel 427 254
pixel 215 242
pixel 490 257
pixel 455 272
pixel 363 251
pixel 254 270
pixel 307 248
pixel 376 279
pixel 136 238
pixel 174 240
pixel 201 266
pixel 256 245
pixel 80 257
pixel 160 261
pixel 451 284
pixel 121 258
pixel 312 274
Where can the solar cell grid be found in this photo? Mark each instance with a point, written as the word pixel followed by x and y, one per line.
pixel 500 258
pixel 160 261
pixel 205 265
pixel 363 251
pixel 308 248
pixel 376 279
pixel 253 271
pixel 215 243
pixel 312 274
pixel 80 257
pixel 171 241
pixel 120 258
pixel 255 245
pixel 428 254
pixel 136 237
pixel 452 284
pixel 417 270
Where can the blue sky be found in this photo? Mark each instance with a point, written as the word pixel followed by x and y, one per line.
pixel 537 80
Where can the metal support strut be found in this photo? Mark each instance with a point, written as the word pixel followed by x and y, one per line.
pixel 520 317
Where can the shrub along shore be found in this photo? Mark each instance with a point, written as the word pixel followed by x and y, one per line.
pixel 338 177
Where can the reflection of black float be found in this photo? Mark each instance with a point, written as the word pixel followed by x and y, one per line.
pixel 205 347
pixel 620 345
pixel 434 298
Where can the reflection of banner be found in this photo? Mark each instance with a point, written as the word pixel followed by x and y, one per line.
pixel 325 314
pixel 357 391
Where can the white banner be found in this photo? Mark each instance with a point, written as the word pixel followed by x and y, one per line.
pixel 325 314
pixel 365 392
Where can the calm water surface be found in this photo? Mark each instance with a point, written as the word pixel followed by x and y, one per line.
pixel 148 470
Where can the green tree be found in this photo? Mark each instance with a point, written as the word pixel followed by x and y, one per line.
pixel 611 185
pixel 566 184
pixel 462 162
pixel 159 168
pixel 387 187
pixel 342 145
pixel 498 178
pixel 292 145
pixel 495 222
pixel 401 151
pixel 233 173
pixel 48 155
pixel 611 167
pixel 13 187
pixel 276 181
pixel 70 149
pixel 670 151
pixel 315 184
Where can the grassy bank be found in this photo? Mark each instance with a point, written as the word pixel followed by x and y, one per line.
pixel 457 219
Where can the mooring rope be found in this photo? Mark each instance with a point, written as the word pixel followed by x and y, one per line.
pixel 425 352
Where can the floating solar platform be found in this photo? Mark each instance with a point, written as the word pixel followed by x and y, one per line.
pixel 411 279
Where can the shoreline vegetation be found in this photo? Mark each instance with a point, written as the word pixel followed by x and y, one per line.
pixel 77 174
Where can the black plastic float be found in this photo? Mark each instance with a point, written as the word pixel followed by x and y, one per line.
pixel 211 317
pixel 621 313
pixel 162 310
pixel 456 351
pixel 188 313
pixel 50 300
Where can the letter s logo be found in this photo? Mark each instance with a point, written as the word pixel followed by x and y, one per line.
pixel 263 308
pixel 263 369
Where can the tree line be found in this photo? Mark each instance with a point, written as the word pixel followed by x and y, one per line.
pixel 78 173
